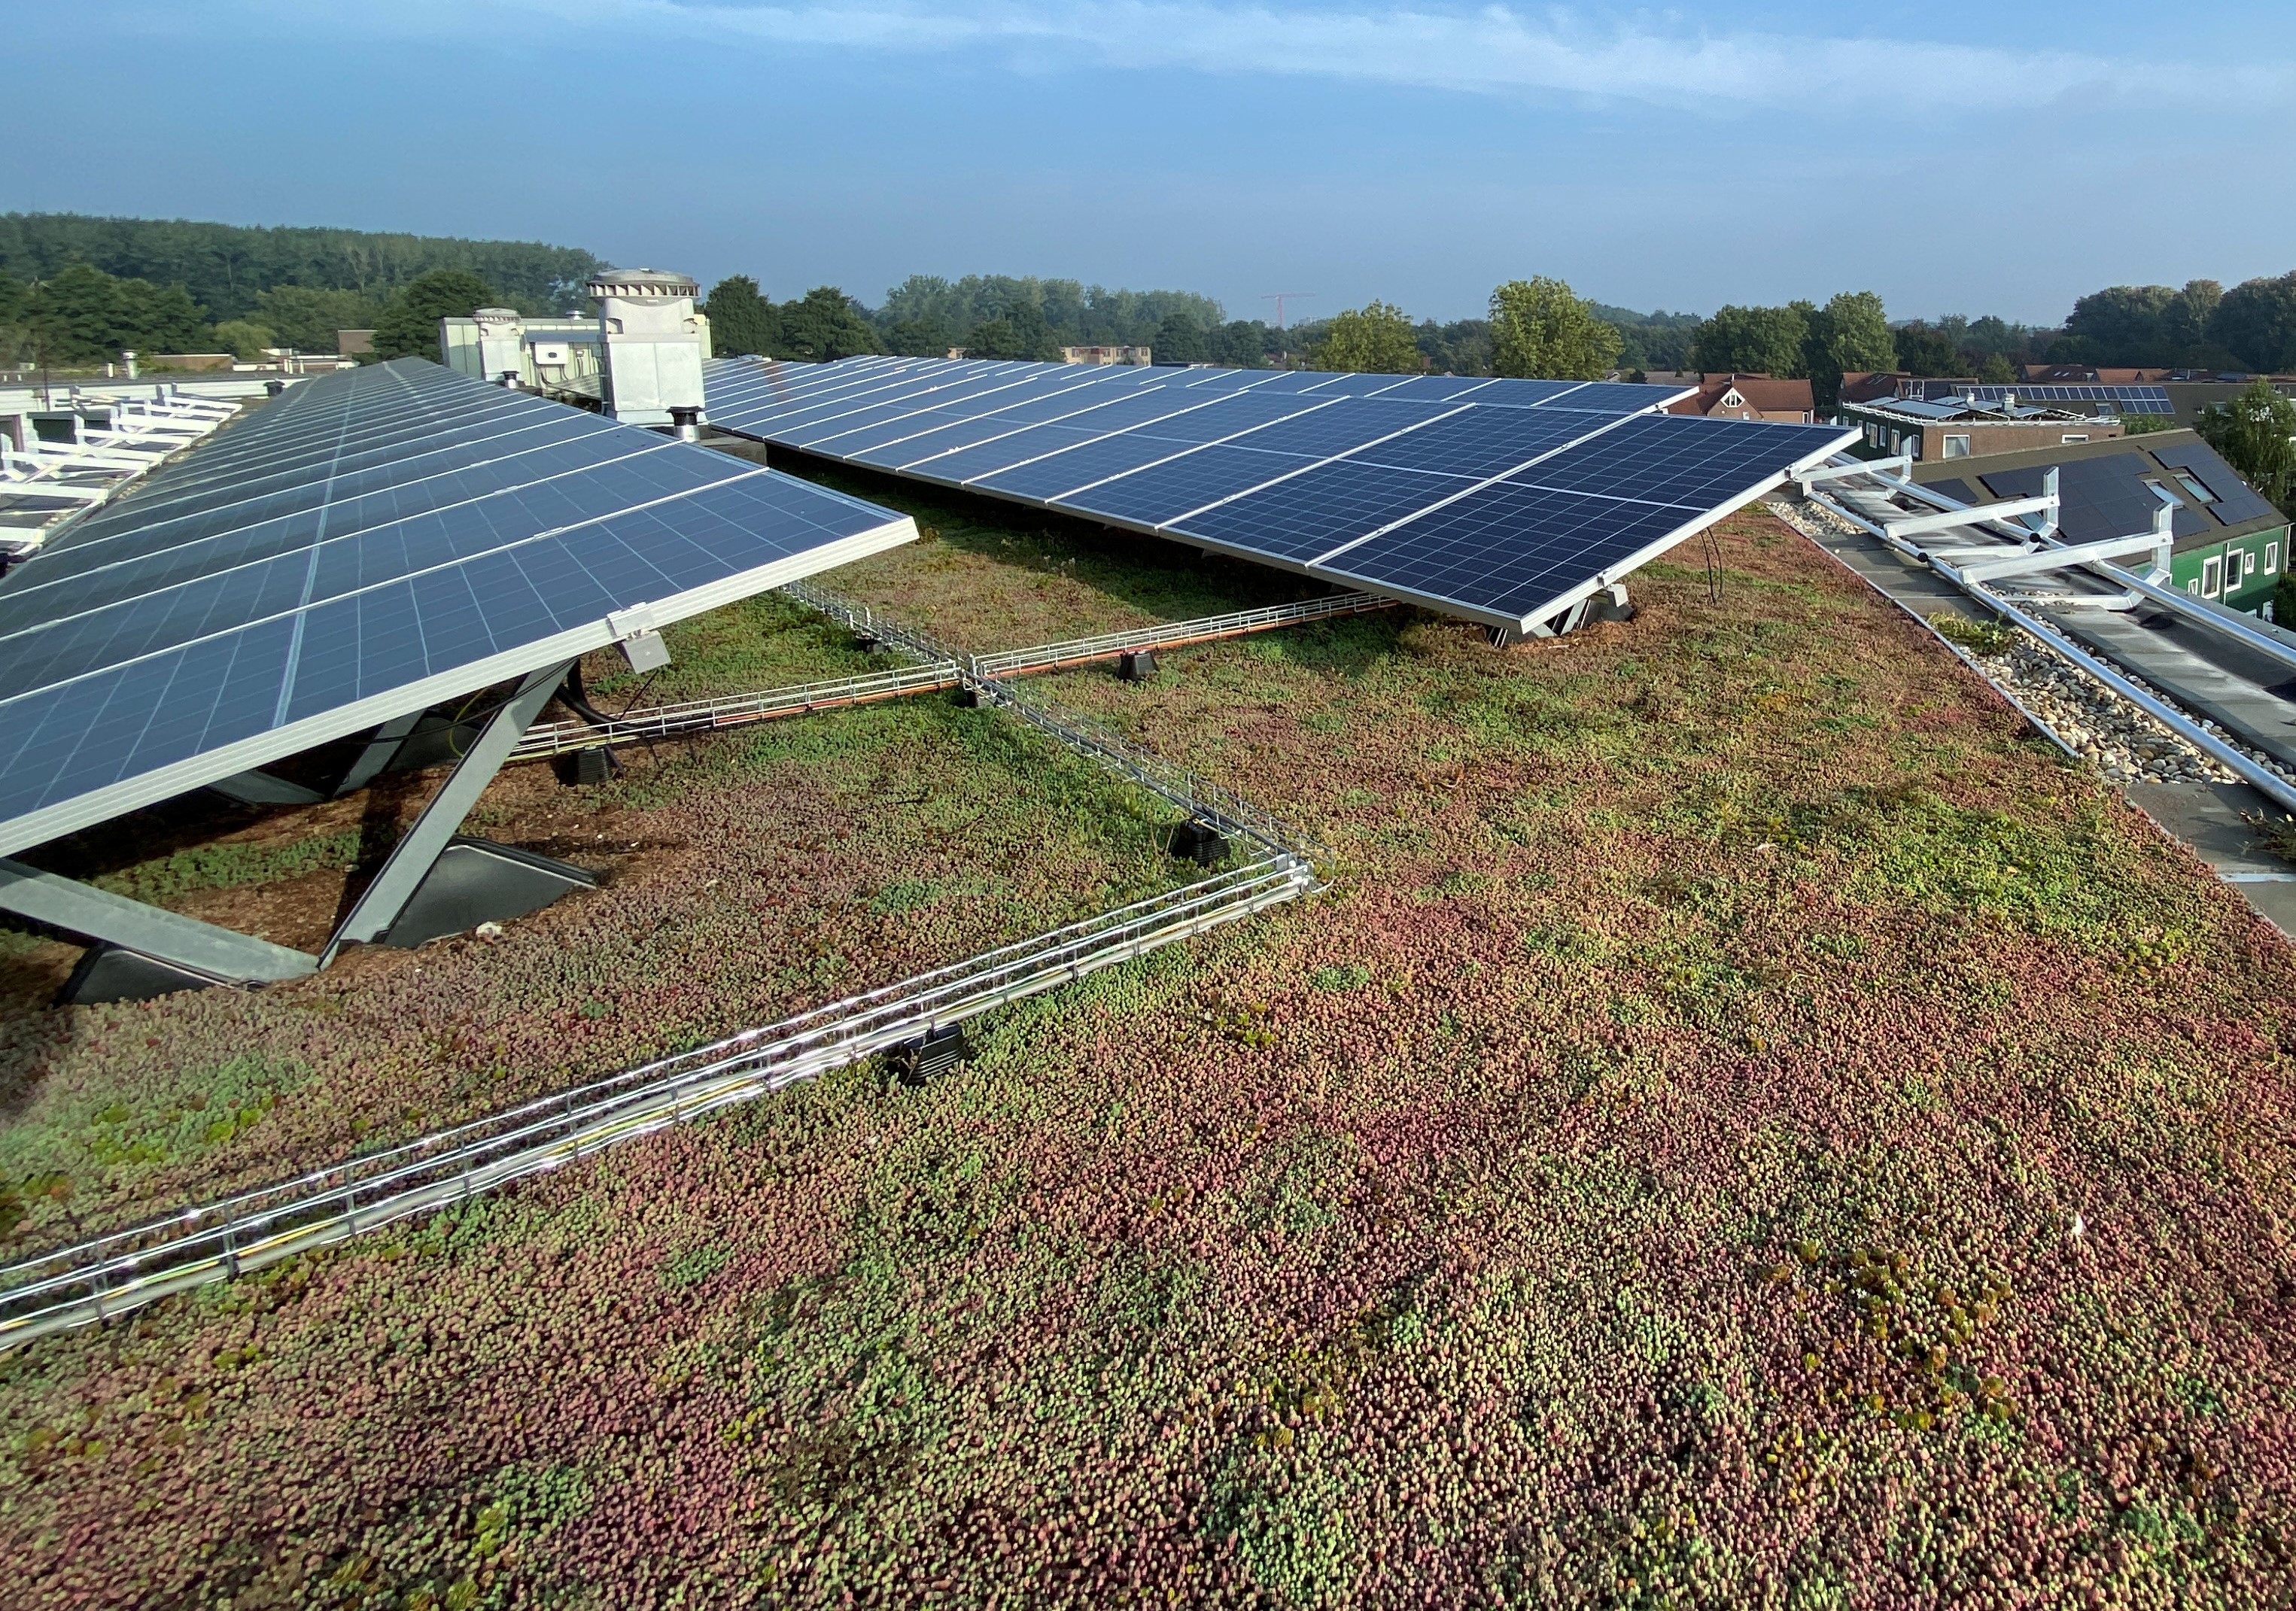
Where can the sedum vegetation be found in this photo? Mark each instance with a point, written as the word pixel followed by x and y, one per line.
pixel 1746 1127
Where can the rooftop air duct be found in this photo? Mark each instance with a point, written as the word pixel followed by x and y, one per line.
pixel 654 342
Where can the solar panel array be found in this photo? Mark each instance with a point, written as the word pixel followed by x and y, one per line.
pixel 2129 399
pixel 370 543
pixel 1500 500
pixel 2236 500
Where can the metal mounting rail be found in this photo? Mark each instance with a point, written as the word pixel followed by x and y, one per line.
pixel 548 738
pixel 1206 801
pixel 2266 781
pixel 112 1275
pixel 1176 634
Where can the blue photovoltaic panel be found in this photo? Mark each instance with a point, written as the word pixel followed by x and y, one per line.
pixel 1509 548
pixel 195 631
pixel 1337 425
pixel 1478 442
pixel 2236 500
pixel 1958 491
pixel 1047 478
pixel 1606 397
pixel 1695 462
pixel 1151 497
pixel 1034 442
pixel 1297 467
pixel 1320 508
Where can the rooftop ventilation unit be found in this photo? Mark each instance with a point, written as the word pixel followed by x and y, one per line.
pixel 655 342
pixel 501 334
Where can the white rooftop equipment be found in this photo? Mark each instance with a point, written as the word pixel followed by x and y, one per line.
pixel 656 342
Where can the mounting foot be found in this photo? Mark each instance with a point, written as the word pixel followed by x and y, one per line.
pixel 914 1062
pixel 1136 665
pixel 477 882
pixel 581 768
pixel 1200 843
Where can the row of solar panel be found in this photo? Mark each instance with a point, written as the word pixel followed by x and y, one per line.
pixel 1418 486
pixel 369 531
pixel 2131 399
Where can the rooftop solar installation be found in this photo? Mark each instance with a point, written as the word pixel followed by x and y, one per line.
pixel 370 543
pixel 1503 501
pixel 2236 500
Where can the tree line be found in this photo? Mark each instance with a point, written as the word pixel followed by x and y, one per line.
pixel 224 269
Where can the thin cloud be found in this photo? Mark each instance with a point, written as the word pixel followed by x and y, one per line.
pixel 1496 50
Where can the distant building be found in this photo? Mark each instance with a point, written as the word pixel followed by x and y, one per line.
pixel 2229 544
pixel 1870 385
pixel 1103 354
pixel 352 343
pixel 1736 396
pixel 1957 428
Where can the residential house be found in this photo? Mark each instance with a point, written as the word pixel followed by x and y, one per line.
pixel 1736 396
pixel 1960 427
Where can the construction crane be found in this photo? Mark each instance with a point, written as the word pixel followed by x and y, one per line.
pixel 1279 299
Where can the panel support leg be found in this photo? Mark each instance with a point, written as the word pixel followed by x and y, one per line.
pixel 410 860
pixel 214 953
pixel 377 754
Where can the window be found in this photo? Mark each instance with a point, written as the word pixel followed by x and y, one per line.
pixel 2271 558
pixel 1914 444
pixel 2211 577
pixel 2201 494
pixel 2247 562
pixel 1956 446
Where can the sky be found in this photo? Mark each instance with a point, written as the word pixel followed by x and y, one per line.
pixel 1955 157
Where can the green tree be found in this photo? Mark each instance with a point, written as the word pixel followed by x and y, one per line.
pixel 1543 330
pixel 83 316
pixel 742 322
pixel 306 317
pixel 1374 340
pixel 1923 349
pixel 824 325
pixel 408 326
pixel 1240 343
pixel 997 339
pixel 2256 321
pixel 227 268
pixel 1180 339
pixel 1755 341
pixel 917 339
pixel 244 339
pixel 1996 370
pixel 2119 324
pixel 2256 433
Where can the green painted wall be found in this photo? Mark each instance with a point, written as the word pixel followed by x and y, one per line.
pixel 2261 555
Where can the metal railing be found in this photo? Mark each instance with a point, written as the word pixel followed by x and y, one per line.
pixel 544 740
pixel 2265 779
pixel 114 1274
pixel 1201 799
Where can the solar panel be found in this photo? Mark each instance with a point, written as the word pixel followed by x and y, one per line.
pixel 2100 497
pixel 1337 475
pixel 1320 510
pixel 2236 500
pixel 372 543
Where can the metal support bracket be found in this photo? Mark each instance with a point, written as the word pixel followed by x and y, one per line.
pixel 1806 478
pixel 2061 559
pixel 1914 525
pixel 200 948
pixel 378 753
pixel 410 860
